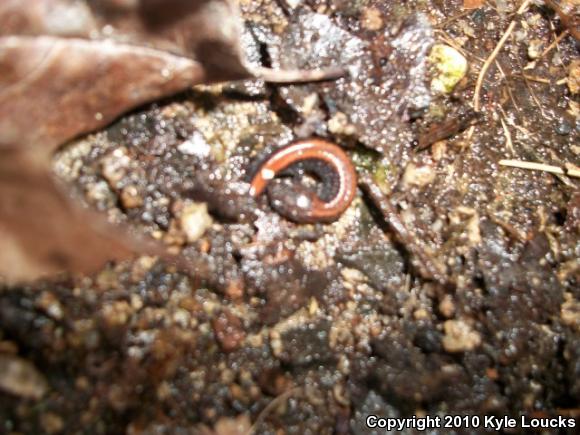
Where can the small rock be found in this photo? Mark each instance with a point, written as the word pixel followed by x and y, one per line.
pixel 228 330
pixel 117 314
pixel 450 66
pixel 51 423
pixel 372 19
pixel 19 377
pixel 50 305
pixel 459 337
pixel 294 3
pixel 130 197
pixel 115 165
pixel 535 48
pixel 563 128
pixel 100 193
pixel 194 220
pixel 418 175
pixel 446 306
pixel 438 150
pixel 195 146
pixel 570 312
pixel 339 124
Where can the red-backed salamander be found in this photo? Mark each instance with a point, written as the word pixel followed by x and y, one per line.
pixel 297 202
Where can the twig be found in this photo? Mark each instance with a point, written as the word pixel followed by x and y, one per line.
pixel 298 76
pixel 532 93
pixel 508 136
pixel 429 268
pixel 509 89
pixel 449 20
pixel 554 43
pixel 570 170
pixel 275 402
pixel 521 164
pixel 445 37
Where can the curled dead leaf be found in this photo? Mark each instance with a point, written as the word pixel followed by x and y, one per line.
pixel 42 233
pixel 69 67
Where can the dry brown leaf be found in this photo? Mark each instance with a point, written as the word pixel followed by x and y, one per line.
pixel 68 67
pixel 59 88
pixel 42 234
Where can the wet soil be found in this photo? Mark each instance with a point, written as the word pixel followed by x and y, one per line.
pixel 276 327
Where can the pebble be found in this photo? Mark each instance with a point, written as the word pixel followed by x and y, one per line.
pixel 372 19
pixel 117 313
pixel 459 336
pixel 447 306
pixel 20 378
pixel 49 303
pixel 570 312
pixel 51 423
pixel 339 124
pixel 228 330
pixel 130 197
pixel 194 220
pixel 450 66
pixel 418 175
pixel 535 48
pixel 115 165
pixel 563 128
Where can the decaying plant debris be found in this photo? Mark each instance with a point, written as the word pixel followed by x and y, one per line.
pixel 449 286
pixel 68 68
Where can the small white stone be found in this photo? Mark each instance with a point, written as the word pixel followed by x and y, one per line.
pixel 459 336
pixel 20 378
pixel 418 175
pixel 196 145
pixel 535 48
pixel 195 220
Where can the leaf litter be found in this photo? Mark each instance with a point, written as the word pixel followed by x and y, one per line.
pixel 311 328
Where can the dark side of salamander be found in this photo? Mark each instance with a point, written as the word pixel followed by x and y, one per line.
pixel 325 167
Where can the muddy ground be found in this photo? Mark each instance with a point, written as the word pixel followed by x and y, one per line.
pixel 304 329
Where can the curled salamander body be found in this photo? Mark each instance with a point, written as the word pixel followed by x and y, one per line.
pixel 327 162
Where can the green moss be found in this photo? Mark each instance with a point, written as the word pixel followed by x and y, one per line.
pixel 371 162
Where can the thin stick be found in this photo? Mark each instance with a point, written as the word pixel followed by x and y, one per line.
pixel 572 170
pixel 521 164
pixel 505 77
pixel 532 93
pixel 493 55
pixel 298 76
pixel 508 136
pixel 429 266
pixel 275 402
pixel 554 43
pixel 449 20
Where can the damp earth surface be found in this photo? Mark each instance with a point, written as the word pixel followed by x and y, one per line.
pixel 464 298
